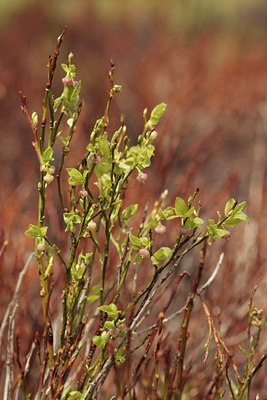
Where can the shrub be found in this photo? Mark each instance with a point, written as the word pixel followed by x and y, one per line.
pixel 117 270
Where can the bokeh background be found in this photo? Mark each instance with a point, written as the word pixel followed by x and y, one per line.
pixel 208 61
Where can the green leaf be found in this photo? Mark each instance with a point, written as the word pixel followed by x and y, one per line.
pixel 137 259
pixel 154 260
pixel 198 221
pixel 94 294
pixel 215 232
pixel 180 207
pixel 102 340
pixel 36 231
pixel 232 222
pixel 75 395
pixel 65 67
pixel 162 253
pixel 57 102
pixel 91 299
pixel 109 325
pixel 102 167
pixel 76 177
pixel 119 358
pixel 168 213
pixel 135 241
pixel 110 309
pixel 104 148
pixel 129 212
pixel 229 205
pixel 156 113
pixel 70 220
pixel 47 155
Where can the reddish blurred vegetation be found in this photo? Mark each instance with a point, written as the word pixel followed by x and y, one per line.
pixel 213 136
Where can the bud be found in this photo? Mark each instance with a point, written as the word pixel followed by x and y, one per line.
pixel 83 193
pixel 144 253
pixel 160 229
pixel 91 226
pixel 164 194
pixel 153 135
pixel 35 119
pixel 96 159
pixel 67 81
pixel 227 235
pixel 52 170
pixel 43 168
pixel 40 247
pixel 48 178
pixel 142 178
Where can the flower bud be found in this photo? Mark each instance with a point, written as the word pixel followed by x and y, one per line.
pixel 52 169
pixel 91 226
pixel 161 229
pixel 67 81
pixel 144 253
pixel 48 178
pixel 142 178
pixel 153 135
pixel 164 194
pixel 96 159
pixel 83 193
pixel 40 247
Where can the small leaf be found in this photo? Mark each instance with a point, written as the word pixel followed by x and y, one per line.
pixel 229 205
pixel 102 167
pixel 102 340
pixel 129 212
pixel 104 147
pixel 168 213
pixel 35 231
pixel 76 177
pixel 162 253
pixel 91 299
pixel 136 242
pixel 110 309
pixel 180 207
pixel 47 155
pixel 156 113
pixel 109 325
pixel 138 259
pixel 198 221
pixel 65 67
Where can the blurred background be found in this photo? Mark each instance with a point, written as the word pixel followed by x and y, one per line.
pixel 207 60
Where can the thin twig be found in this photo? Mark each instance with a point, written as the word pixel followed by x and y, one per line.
pixel 14 298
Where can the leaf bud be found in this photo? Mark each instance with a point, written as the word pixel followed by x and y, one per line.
pixel 35 119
